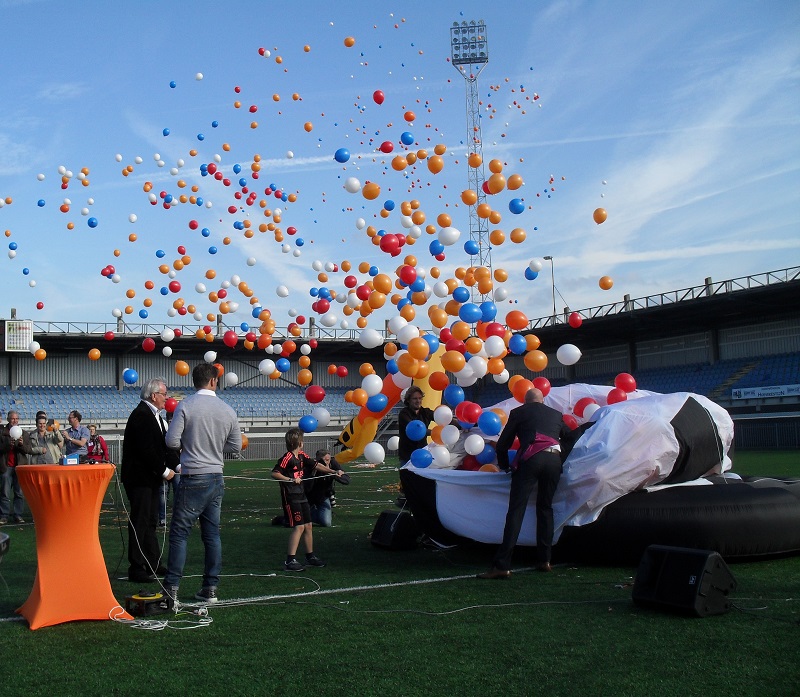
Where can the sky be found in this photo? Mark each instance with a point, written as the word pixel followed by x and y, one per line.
pixel 680 120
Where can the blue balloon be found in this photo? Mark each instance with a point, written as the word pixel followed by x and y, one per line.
pixel 461 294
pixel 530 274
pixel 283 365
pixel 391 367
pixel 471 247
pixel 143 313
pixel 92 222
pixel 256 311
pixel 313 292
pixel 517 344
pixel 214 124
pixel 200 136
pixel 389 205
pixel 25 271
pixel 421 458
pixel 488 311
pixel 469 313
pixel 516 206
pixel 416 430
pixel 164 290
pixel 173 84
pixel 165 131
pixel 433 342
pixel 244 326
pixel 407 138
pixel 341 155
pixel 374 271
pixel 212 249
pixel 377 403
pixel 299 241
pixel 205 232
pixel 160 253
pixel 453 395
pixel 487 456
pixel 12 245
pixel 168 198
pixel 418 285
pixel 490 423
pixel 435 247
pixel 40 203
pixel 307 424
pixel 130 376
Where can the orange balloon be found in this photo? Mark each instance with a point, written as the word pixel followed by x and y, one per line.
pixel 408 313
pixel 489 468
pixel 435 164
pixel 473 345
pixel 305 361
pixel 182 368
pixel 516 320
pixel 437 316
pixel 418 348
pixel 474 160
pixel 444 220
pixel 438 380
pixel 40 354
pixel 370 191
pixel 245 442
pixel 606 282
pixel 349 41
pixel 514 182
pixel 495 366
pixel 408 365
pixel 304 377
pixel 532 342
pixel 518 235
pixel 460 330
pixel 382 283
pixel 288 347
pixel 453 361
pixel 495 166
pixel 520 389
pixel 440 149
pixel 436 434
pixel 600 215
pixel 94 354
pixel 366 369
pixel 469 197
pixel 535 361
pixel 360 397
pixel 422 370
pixel 496 183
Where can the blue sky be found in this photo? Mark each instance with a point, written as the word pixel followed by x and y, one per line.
pixel 681 120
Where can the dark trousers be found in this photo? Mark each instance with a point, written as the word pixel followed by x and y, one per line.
pixel 143 549
pixel 543 471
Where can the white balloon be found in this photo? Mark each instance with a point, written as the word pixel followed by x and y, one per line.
pixel 282 291
pixel 296 253
pixel 352 300
pixel 589 411
pixel 116 312
pixel 267 366
pixel 478 366
pixel 443 415
pixel 502 378
pixel 535 265
pixel 440 289
pixel 15 432
pixel 344 324
pixel 396 323
pixel 352 185
pixel 407 333
pixel 133 217
pixel 402 381
pixel 330 266
pixel 406 222
pixel 322 415
pixel 441 455
pixel 361 224
pixel 32 283
pixel 116 278
pixel 450 435
pixel 289 154
pixel 34 346
pixel 167 334
pixel 372 384
pixel 393 443
pixel 449 236
pixel 316 265
pixel 494 346
pixel 415 232
pixel 167 351
pixel 251 261
pixel 500 294
pixel 199 76
pixel 329 319
pixel 474 444
pixel 286 248
pixel 210 356
pixel 466 382
pixel 374 453
pixel 370 338
pixel 568 354
pixel 305 349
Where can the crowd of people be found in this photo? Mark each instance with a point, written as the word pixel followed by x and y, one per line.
pixel 46 444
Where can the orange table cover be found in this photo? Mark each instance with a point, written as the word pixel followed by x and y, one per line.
pixel 71 577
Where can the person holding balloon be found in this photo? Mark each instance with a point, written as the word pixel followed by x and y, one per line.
pixel 45 445
pixel 320 488
pixel 11 455
pixel 412 435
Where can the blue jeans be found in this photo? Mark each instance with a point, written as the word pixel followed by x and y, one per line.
pixel 321 514
pixel 10 484
pixel 198 496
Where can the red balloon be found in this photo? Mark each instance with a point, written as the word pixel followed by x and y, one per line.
pixel 472 412
pixel 581 404
pixel 543 385
pixel 315 394
pixel 386 146
pixel 390 245
pixel 350 282
pixel 230 338
pixel 170 405
pixel 251 337
pixel 495 329
pixel 363 292
pixel 575 320
pixel 570 421
pixel 109 336
pixel 175 287
pixel 313 343
pixel 625 381
pixel 148 344
pixel 470 463
pixel 455 345
pixel 408 274
pixel 341 371
pixel 616 395
pixel 445 335
pixel 378 96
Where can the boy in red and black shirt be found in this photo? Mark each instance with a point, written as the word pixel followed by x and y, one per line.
pixel 289 471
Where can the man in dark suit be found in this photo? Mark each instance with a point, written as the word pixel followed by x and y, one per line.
pixel 146 463
pixel 539 426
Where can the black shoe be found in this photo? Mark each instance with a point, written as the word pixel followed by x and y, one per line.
pixel 293 565
pixel 19 520
pixel 314 560
pixel 141 577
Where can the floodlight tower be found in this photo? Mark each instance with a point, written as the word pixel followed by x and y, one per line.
pixel 469 53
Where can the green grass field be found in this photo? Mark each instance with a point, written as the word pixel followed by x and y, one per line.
pixel 376 622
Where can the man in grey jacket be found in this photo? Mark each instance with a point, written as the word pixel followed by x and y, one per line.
pixel 202 428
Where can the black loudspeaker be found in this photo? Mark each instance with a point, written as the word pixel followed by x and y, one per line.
pixel 395 530
pixel 687 581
